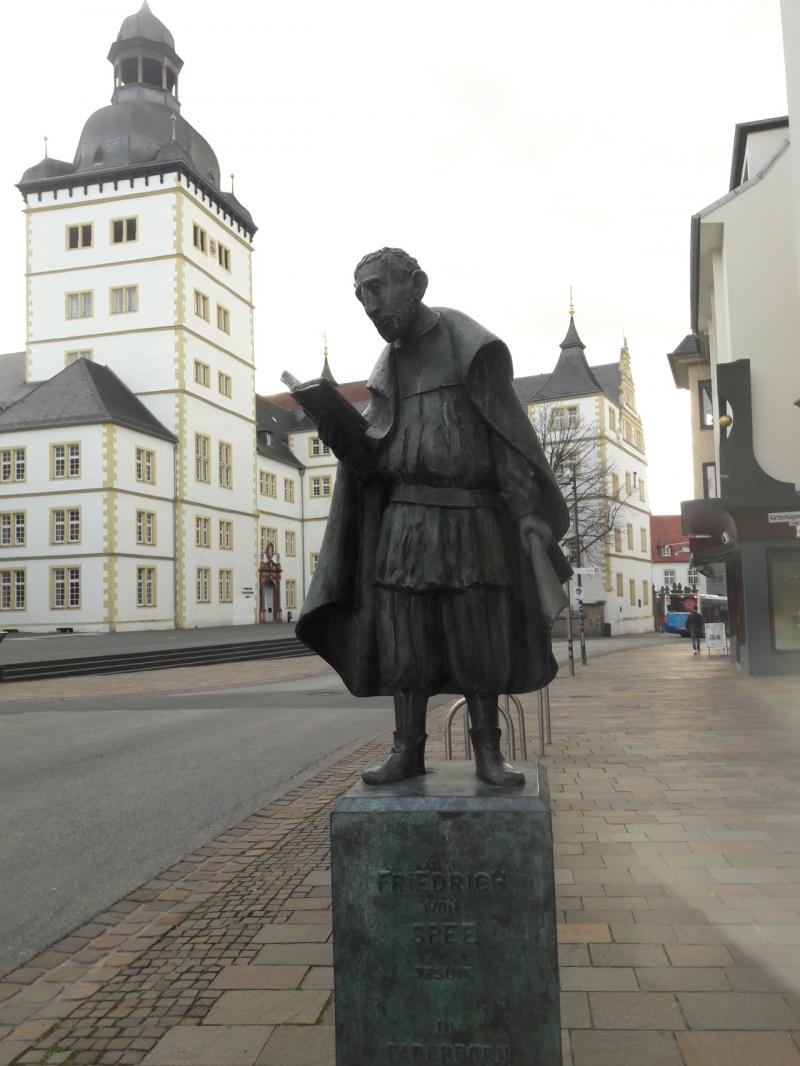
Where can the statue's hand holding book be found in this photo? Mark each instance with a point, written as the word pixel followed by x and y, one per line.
pixel 341 427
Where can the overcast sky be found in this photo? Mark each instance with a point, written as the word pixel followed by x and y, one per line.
pixel 515 148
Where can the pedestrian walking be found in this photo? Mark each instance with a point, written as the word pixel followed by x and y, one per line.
pixel 694 624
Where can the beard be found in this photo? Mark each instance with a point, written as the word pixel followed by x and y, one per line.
pixel 394 325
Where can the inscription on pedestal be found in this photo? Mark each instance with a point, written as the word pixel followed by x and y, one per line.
pixel 444 924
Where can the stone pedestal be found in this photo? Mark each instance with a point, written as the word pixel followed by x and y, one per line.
pixel 444 923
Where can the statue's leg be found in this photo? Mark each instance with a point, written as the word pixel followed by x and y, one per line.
pixel 407 757
pixel 489 763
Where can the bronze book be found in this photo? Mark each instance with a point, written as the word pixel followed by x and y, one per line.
pixel 319 397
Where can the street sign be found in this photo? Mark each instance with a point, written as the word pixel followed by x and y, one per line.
pixel 791 517
pixel 586 569
pixel 578 593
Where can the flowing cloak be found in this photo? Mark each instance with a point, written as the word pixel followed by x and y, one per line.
pixel 339 614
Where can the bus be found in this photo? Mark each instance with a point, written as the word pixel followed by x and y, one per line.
pixel 676 610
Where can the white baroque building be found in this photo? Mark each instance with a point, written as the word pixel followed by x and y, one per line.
pixel 143 482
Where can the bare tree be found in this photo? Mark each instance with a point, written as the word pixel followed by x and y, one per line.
pixel 570 444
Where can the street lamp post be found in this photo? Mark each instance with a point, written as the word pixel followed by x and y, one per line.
pixel 581 624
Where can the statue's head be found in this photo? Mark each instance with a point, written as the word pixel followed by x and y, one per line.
pixel 390 285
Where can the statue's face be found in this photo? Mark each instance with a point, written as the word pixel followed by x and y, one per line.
pixel 389 298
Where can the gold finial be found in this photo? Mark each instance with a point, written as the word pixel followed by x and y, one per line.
pixel 45 147
pixel 571 304
pixel 324 336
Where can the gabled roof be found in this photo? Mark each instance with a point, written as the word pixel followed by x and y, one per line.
pixel 666 529
pixel 273 425
pixel 527 387
pixel 609 377
pixel 741 133
pixel 84 393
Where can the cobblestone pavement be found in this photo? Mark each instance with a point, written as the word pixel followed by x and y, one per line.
pixel 676 787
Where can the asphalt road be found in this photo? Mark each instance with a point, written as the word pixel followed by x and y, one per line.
pixel 97 797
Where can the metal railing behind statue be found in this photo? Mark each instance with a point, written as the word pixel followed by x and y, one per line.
pixel 517 739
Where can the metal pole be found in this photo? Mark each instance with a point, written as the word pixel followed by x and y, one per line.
pixel 578 558
pixel 570 645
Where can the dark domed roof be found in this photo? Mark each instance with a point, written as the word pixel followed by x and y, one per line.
pixel 137 131
pixel 145 24
pixel 47 168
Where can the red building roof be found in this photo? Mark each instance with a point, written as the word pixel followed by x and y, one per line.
pixel 665 531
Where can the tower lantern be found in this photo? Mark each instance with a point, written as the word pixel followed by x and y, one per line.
pixel 146 65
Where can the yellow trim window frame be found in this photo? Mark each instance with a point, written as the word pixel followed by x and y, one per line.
pixel 202 374
pixel 267 483
pixel 65 525
pixel 201 305
pixel 202 449
pixel 79 235
pixel 291 543
pixel 76 356
pixel 146 586
pixel 225 455
pixel 124 230
pixel 79 304
pixel 288 490
pixel 224 256
pixel 291 595
pixel 202 532
pixel 199 237
pixel 65 460
pixel 145 466
pixel 12 529
pixel 223 319
pixel 316 447
pixel 124 299
pixel 268 536
pixel 203 584
pixel 226 586
pixel 320 486
pixel 13 464
pixel 146 527
pixel 65 587
pixel 226 535
pixel 225 384
pixel 13 591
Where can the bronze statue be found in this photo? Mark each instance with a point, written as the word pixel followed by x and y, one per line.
pixel 440 569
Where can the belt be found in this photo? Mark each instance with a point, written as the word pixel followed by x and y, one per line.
pixel 442 496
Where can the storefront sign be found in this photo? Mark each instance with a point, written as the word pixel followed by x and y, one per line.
pixel 790 517
pixel 715 635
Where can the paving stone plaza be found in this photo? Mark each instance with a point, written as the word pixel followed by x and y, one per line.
pixel 676 789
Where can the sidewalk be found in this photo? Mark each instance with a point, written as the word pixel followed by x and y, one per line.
pixel 676 787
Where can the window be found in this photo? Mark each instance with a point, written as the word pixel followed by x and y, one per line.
pixel 694 577
pixel 73 357
pixel 124 299
pixel 670 577
pixel 65 460
pixel 80 304
pixel 145 586
pixel 643 537
pixel 65 525
pixel 288 490
pixel 80 236
pixel 628 483
pixel 226 586
pixel 226 535
pixel 639 439
pixel 641 490
pixel 201 304
pixel 12 529
pixel 612 419
pixel 202 450
pixel 267 483
pixel 223 319
pixel 316 447
pixel 12 464
pixel 202 373
pixel 646 593
pixel 620 587
pixel 291 543
pixel 632 584
pixel 666 551
pixel 145 527
pixel 268 536
pixel 203 584
pixel 225 384
pixel 224 256
pixel 321 486
pixel 65 587
pixel 706 404
pixel 630 536
pixel 145 465
pixel 124 230
pixel 710 491
pixel 617 540
pixel 12 590
pixel 202 532
pixel 225 465
pixel 572 418
pixel 199 237
pixel 291 595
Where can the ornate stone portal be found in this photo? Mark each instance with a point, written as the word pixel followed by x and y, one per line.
pixel 269 586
